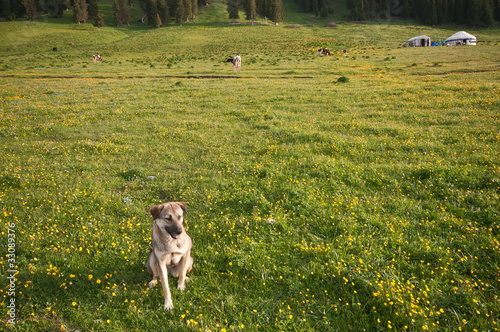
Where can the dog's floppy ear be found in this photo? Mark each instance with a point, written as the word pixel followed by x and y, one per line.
pixel 155 211
pixel 183 206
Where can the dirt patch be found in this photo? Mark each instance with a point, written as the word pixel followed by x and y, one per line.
pixel 201 77
pixel 456 72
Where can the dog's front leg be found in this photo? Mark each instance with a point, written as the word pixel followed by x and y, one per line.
pixel 185 265
pixel 166 289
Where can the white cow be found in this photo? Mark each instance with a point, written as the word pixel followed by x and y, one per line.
pixel 237 63
pixel 96 57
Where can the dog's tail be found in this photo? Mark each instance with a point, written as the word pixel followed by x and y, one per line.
pixel 150 271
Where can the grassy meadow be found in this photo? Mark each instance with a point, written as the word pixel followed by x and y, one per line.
pixel 369 203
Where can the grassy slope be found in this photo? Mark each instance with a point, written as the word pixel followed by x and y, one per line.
pixel 313 206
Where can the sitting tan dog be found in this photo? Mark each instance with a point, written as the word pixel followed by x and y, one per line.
pixel 171 252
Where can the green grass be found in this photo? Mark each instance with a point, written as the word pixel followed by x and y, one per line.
pixel 314 204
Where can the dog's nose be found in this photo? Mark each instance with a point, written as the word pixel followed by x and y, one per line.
pixel 174 232
pixel 175 235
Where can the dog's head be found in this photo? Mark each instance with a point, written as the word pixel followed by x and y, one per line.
pixel 170 217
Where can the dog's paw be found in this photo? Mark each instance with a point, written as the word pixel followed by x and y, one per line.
pixel 187 279
pixel 168 306
pixel 152 283
pixel 181 287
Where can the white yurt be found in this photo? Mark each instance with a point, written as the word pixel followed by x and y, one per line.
pixel 419 41
pixel 461 38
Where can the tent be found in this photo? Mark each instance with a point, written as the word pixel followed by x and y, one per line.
pixel 435 43
pixel 461 38
pixel 419 41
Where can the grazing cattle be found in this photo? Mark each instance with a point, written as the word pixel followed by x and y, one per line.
pixel 322 51
pixel 345 52
pixel 237 63
pixel 54 49
pixel 71 44
pixel 96 57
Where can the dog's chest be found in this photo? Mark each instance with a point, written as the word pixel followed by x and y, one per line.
pixel 171 252
pixel 173 259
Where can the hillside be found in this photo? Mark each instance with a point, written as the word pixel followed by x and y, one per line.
pixel 203 44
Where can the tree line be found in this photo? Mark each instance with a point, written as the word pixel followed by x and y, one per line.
pixel 157 12
pixel 468 12
pixel 161 12
pixel 271 9
pixel 318 7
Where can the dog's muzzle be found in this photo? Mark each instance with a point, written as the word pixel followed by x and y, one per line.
pixel 174 232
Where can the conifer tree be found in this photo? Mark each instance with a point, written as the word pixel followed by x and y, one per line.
pixel 233 9
pixel 323 12
pixel 194 8
pixel 473 16
pixel 158 22
pixel 433 18
pixel 180 12
pixel 117 13
pixel 30 9
pixel 163 11
pixel 496 11
pixel 383 5
pixel 442 14
pixel 152 12
pixel 99 22
pixel 93 9
pixel 315 7
pixel 80 11
pixel 172 7
pixel 276 11
pixel 459 11
pixel 55 8
pixel 487 13
pixel 250 9
pixel 5 10
pixel 121 12
pixel 405 13
pixel 259 7
pixel 188 10
pixel 125 15
pixel 357 9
